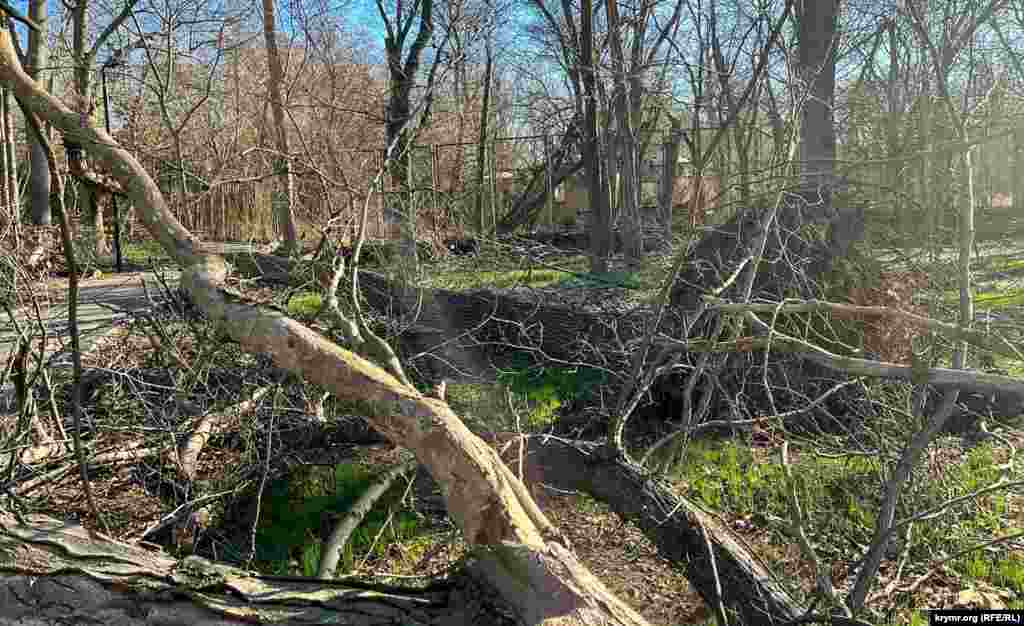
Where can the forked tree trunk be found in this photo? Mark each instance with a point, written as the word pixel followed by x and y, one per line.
pixel 516 549
pixel 600 223
pixel 629 183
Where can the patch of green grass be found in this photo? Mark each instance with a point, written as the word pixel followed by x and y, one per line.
pixel 501 279
pixel 304 304
pixel 297 512
pixel 537 395
pixel 999 299
pixel 546 389
pixel 497 270
pixel 841 496
pixel 143 252
pixel 1002 263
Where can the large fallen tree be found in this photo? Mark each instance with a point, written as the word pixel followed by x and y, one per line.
pixel 518 551
pixel 468 332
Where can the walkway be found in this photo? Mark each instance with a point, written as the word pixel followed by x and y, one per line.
pixel 103 303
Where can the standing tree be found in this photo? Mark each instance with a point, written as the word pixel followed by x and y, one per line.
pixel 600 211
pixel 403 66
pixel 94 188
pixel 485 114
pixel 285 207
pixel 36 59
pixel 629 94
pixel 816 69
pixel 8 168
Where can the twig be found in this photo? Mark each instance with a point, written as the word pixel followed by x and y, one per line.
pixel 941 563
pixel 335 542
pixel 939 376
pixel 821 578
pixel 259 493
pixel 893 490
pixel 687 430
pixel 183 511
pixel 999 345
pixel 722 618
pixel 73 275
pixel 112 457
pixel 18 15
pixel 190 449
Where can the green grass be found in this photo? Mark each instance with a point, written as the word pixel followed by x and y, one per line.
pixel 304 304
pixel 840 498
pixel 526 397
pixel 999 299
pixel 298 512
pixel 492 269
pixel 458 280
pixel 1001 263
pixel 143 252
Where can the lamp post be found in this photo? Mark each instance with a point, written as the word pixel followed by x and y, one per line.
pixel 115 60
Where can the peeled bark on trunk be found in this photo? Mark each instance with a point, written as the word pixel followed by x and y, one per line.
pixel 517 549
pixel 55 572
pixel 10 172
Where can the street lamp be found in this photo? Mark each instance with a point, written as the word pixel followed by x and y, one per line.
pixel 116 60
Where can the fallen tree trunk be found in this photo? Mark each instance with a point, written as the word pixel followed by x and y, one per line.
pixel 464 333
pixel 56 572
pixel 681 529
pixel 674 524
pixel 517 549
pixel 494 323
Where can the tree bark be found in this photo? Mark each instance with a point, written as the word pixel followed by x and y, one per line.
pixel 398 126
pixel 669 176
pixel 7 180
pixel 37 57
pixel 516 548
pixel 676 525
pixel 285 209
pixel 77 160
pixel 629 209
pixel 13 190
pixel 330 555
pixel 56 572
pixel 481 147
pixel 817 64
pixel 599 226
